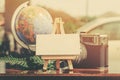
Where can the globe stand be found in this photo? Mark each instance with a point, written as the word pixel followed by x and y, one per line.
pixel 58 29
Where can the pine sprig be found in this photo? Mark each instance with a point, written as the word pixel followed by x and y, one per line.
pixel 26 63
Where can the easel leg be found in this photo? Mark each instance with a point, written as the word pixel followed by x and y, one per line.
pixel 70 66
pixel 45 65
pixel 57 66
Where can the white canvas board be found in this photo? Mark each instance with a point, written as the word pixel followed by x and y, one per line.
pixel 58 44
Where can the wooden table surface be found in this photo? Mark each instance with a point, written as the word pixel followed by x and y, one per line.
pixel 12 74
pixel 77 72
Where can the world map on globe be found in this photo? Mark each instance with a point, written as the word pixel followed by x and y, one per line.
pixel 30 21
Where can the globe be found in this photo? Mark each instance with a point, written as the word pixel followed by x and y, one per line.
pixel 28 21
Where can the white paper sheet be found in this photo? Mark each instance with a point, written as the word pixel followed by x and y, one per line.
pixel 58 44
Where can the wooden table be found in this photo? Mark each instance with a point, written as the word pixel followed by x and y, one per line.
pixel 17 75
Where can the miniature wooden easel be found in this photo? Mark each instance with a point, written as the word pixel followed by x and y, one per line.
pixel 58 29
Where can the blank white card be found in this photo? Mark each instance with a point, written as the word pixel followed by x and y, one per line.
pixel 58 44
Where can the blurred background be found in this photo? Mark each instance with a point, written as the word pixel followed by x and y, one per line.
pixel 74 13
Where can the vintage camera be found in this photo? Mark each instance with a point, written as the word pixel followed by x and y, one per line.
pixel 94 52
